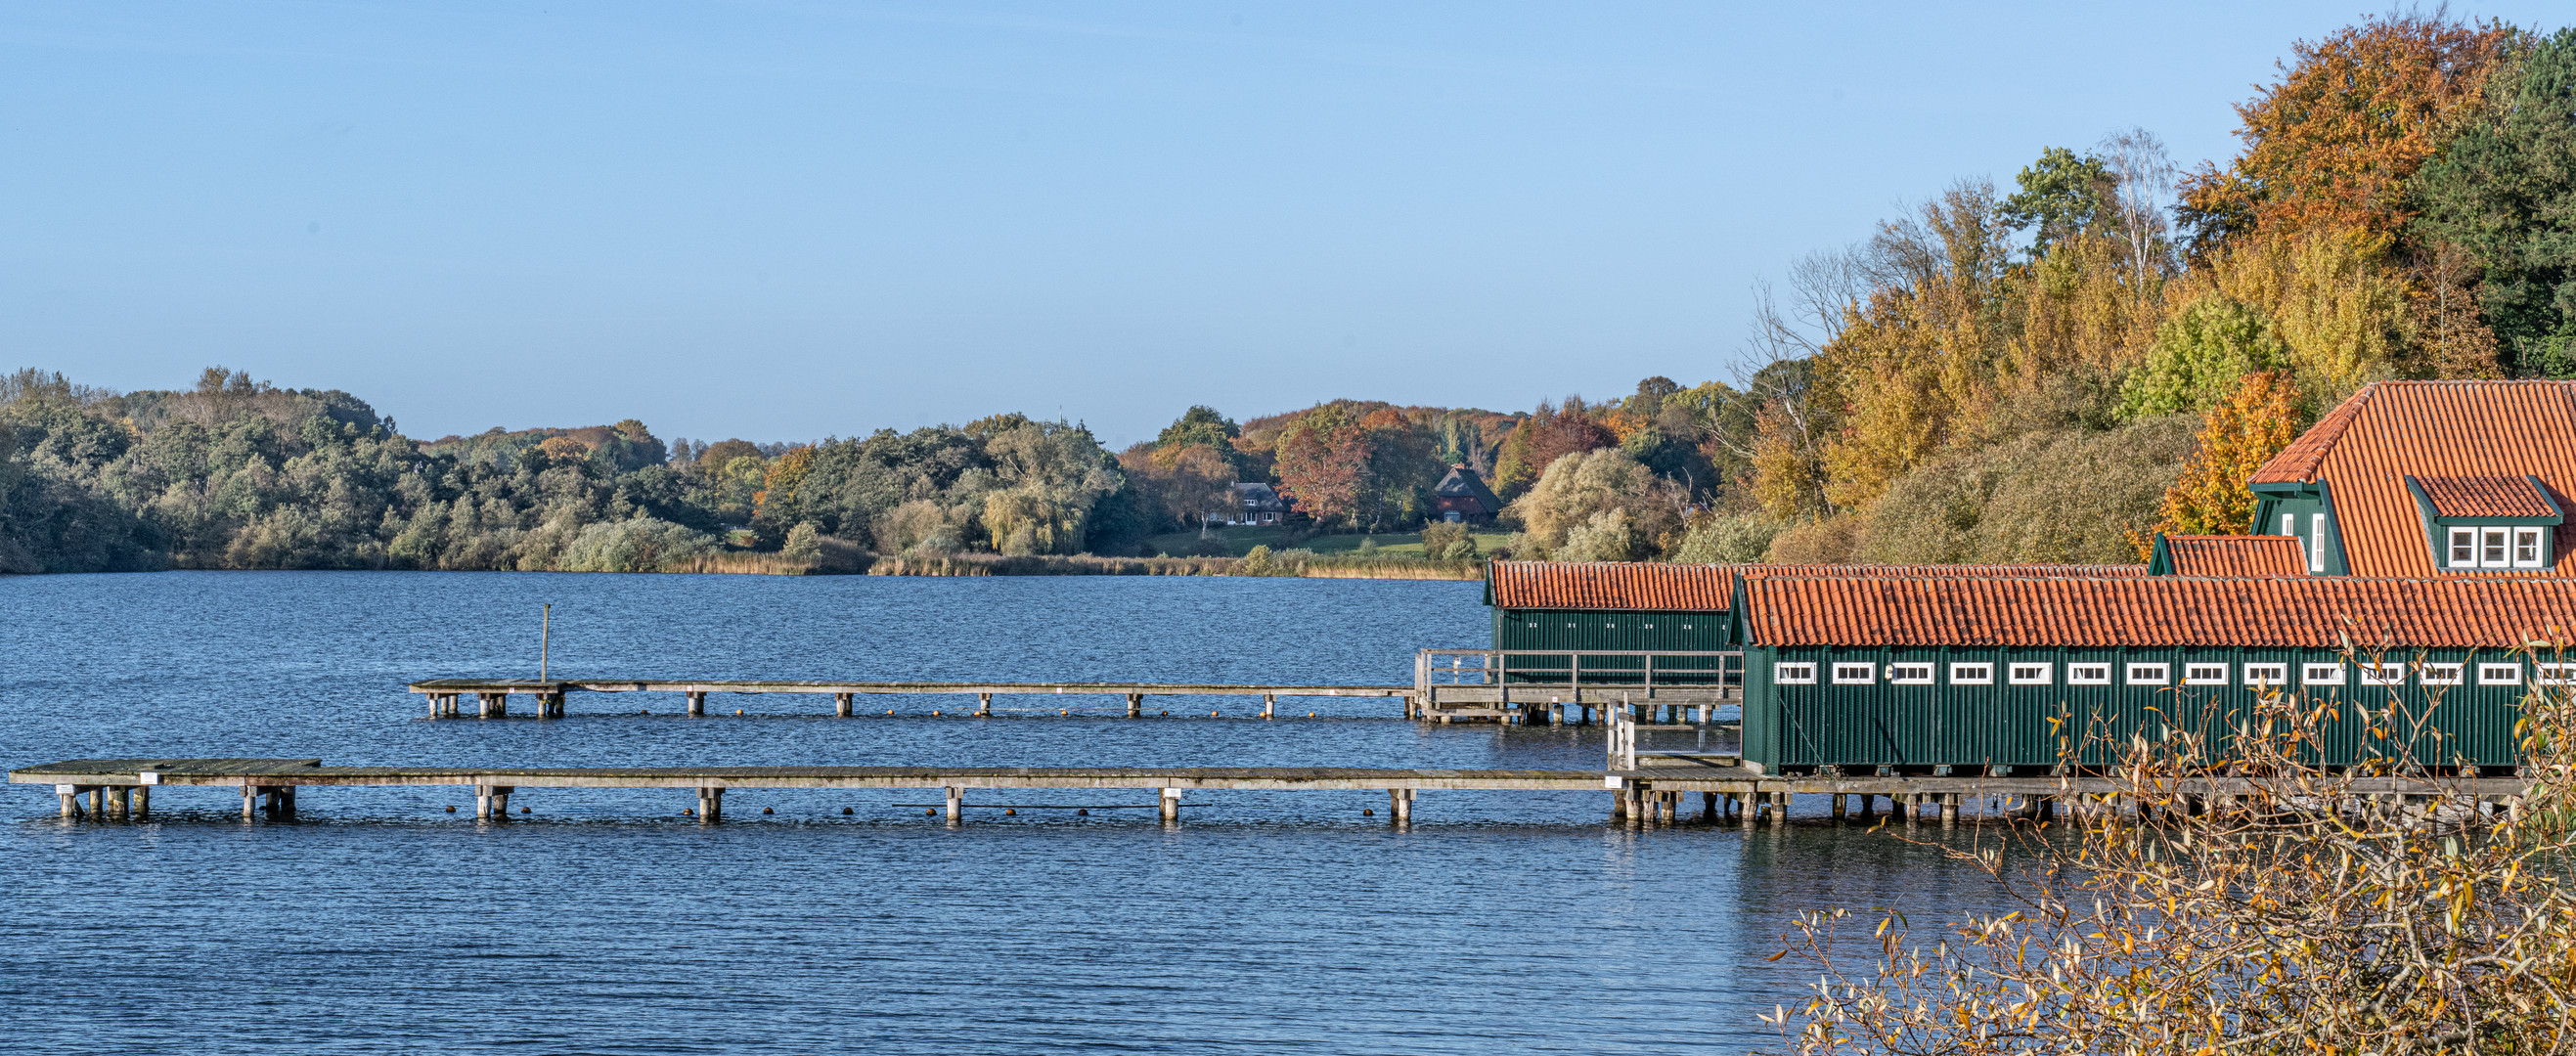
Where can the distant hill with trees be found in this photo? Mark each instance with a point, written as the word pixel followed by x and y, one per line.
pixel 2049 372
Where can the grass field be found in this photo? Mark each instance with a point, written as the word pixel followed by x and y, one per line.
pixel 1237 541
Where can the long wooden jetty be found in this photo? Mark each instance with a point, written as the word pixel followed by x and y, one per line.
pixel 1650 790
pixel 492 696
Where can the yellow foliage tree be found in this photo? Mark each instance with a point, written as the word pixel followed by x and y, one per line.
pixel 2244 431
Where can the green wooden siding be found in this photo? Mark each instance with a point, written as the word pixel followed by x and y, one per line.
pixel 1947 724
pixel 1572 630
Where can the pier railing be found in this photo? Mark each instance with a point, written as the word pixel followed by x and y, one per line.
pixel 1574 671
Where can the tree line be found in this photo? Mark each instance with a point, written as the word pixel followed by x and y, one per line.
pixel 2049 372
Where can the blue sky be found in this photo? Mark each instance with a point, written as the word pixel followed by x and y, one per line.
pixel 786 221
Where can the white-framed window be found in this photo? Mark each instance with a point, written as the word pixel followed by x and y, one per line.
pixel 2088 674
pixel 1978 673
pixel 2554 674
pixel 2383 674
pixel 2150 674
pixel 2316 542
pixel 2321 674
pixel 1793 674
pixel 1850 674
pixel 2204 674
pixel 1910 674
pixel 2442 674
pixel 2464 548
pixel 2492 547
pixel 2527 550
pixel 2267 674
pixel 2499 674
pixel 2289 524
pixel 2021 674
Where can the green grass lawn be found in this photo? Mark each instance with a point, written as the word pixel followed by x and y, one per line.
pixel 1237 541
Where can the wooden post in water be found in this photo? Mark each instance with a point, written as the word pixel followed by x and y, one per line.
pixel 983 705
pixel 482 801
pixel 123 801
pixel 1171 806
pixel 142 801
pixel 697 704
pixel 495 705
pixel 1399 805
pixel 956 803
pixel 841 705
pixel 70 800
pixel 1949 809
pixel 1838 808
pixel 1135 705
pixel 1269 705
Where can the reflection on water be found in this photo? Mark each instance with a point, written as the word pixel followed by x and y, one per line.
pixel 603 921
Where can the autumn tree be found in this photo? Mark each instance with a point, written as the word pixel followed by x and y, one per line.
pixel 2504 194
pixel 1554 432
pixel 2244 431
pixel 2333 143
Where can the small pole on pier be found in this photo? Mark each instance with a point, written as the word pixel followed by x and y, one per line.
pixel 956 803
pixel 250 801
pixel 983 705
pixel 1171 806
pixel 545 636
pixel 841 704
pixel 697 704
pixel 1135 705
pixel 1269 704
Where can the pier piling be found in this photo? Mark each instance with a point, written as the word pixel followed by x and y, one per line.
pixel 841 704
pixel 697 705
pixel 956 803
pixel 1171 806
pixel 1135 705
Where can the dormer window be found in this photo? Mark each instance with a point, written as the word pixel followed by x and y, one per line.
pixel 2488 523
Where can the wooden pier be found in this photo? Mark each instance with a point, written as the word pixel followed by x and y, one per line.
pixel 492 696
pixel 1652 791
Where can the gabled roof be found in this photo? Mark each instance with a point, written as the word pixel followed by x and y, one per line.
pixel 2302 611
pixel 2229 555
pixel 2365 449
pixel 1463 483
pixel 1636 585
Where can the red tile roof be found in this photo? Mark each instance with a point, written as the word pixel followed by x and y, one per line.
pixel 2485 497
pixel 1610 585
pixel 1634 585
pixel 2236 555
pixel 2365 449
pixel 2301 611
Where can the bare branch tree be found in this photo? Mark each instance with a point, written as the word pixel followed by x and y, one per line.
pixel 2146 174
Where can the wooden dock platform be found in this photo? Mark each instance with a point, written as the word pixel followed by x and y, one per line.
pixel 1650 793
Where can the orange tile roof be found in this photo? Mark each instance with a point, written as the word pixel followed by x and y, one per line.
pixel 2485 497
pixel 2365 449
pixel 1634 585
pixel 2236 555
pixel 2300 611
pixel 1610 585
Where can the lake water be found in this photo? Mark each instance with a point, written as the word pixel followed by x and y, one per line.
pixel 603 921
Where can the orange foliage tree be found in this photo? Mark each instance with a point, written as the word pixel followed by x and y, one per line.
pixel 2244 431
pixel 2334 142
